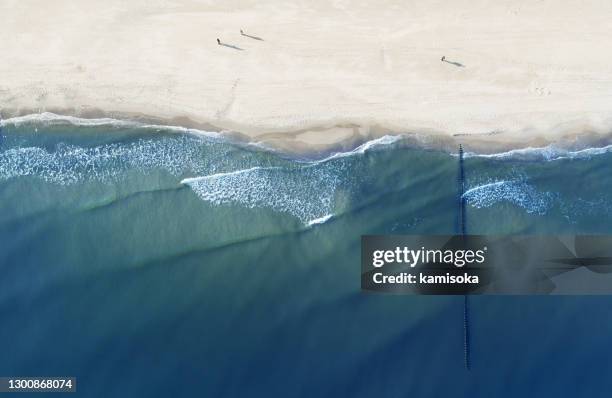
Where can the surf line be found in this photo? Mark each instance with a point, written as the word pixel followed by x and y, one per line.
pixel 461 227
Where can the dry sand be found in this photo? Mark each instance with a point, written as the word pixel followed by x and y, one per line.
pixel 324 72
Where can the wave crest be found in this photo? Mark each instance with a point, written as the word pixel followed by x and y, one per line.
pixel 547 153
pixel 69 164
pixel 49 118
pixel 306 193
pixel 519 193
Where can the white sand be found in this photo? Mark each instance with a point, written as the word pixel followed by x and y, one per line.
pixel 533 70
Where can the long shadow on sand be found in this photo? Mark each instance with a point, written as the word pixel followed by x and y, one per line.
pixel 252 37
pixel 457 64
pixel 231 46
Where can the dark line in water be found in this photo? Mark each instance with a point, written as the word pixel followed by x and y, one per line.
pixel 462 215
pixel 461 221
pixel 130 196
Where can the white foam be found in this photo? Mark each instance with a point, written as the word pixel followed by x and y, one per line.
pixel 383 141
pixel 320 220
pixel 304 192
pixel 304 189
pixel 68 164
pixel 484 187
pixel 184 130
pixel 193 180
pixel 517 192
pixel 547 153
pixel 522 194
pixel 50 118
pixel 47 117
pixel 308 191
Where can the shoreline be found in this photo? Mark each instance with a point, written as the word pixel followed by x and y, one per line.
pixel 290 144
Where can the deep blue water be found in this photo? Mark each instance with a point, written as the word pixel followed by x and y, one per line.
pixel 159 262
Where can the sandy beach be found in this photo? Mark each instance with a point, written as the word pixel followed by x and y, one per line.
pixel 320 74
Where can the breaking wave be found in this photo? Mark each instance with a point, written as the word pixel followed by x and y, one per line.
pixel 519 193
pixel 304 189
pixel 227 173
pixel 69 164
pixel 321 220
pixel 534 201
pixel 305 192
pixel 49 118
pixel 381 142
pixel 547 153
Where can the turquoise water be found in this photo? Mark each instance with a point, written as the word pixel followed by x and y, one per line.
pixel 151 261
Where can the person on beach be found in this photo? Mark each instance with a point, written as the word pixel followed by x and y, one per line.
pixel 443 58
pixel 218 41
pixel 241 32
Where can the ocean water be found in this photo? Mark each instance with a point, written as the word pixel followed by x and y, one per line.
pixel 158 261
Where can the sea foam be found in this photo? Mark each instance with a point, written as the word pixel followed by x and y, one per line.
pixel 547 153
pixel 304 192
pixel 49 118
pixel 225 175
pixel 68 164
pixel 320 220
pixel 305 189
pixel 519 193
